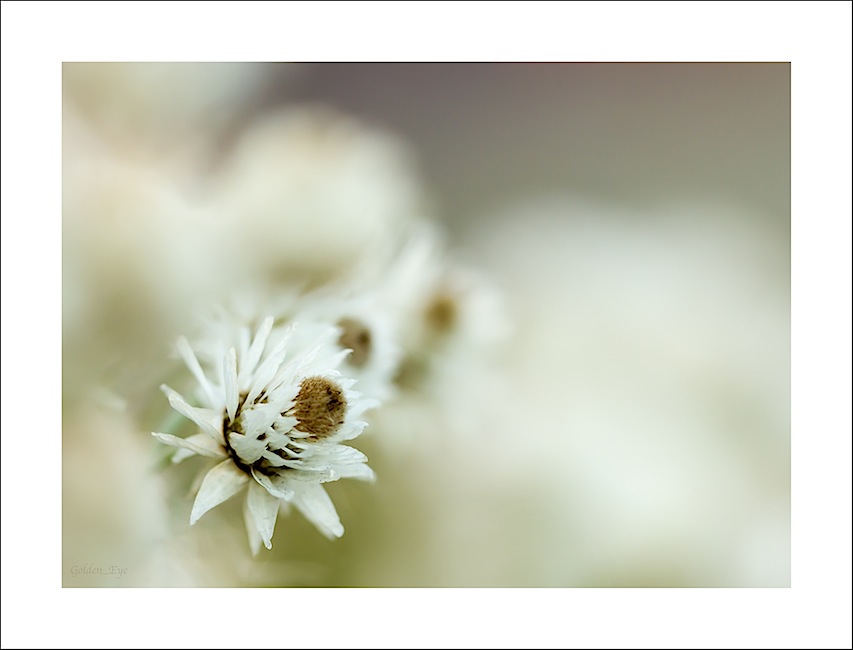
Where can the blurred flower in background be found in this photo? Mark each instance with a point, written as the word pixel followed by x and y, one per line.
pixel 566 287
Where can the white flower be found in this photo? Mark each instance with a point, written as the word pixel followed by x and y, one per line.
pixel 446 318
pixel 365 326
pixel 275 424
pixel 365 323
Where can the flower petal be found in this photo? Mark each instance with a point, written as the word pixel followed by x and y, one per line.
pixel 248 449
pixel 190 359
pixel 182 454
pixel 307 474
pixel 349 430
pixel 275 485
pixel 220 483
pixel 258 418
pixel 230 372
pixel 277 440
pixel 345 455
pixel 274 459
pixel 315 504
pixel 362 405
pixel 264 509
pixel 251 529
pixel 201 417
pixel 266 371
pixel 247 365
pixel 302 361
pixel 358 471
pixel 199 443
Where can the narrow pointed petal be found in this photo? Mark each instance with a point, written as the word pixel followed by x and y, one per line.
pixel 348 431
pixel 258 419
pixel 358 471
pixel 274 459
pixel 266 371
pixel 275 485
pixel 345 455
pixel 363 405
pixel 201 417
pixel 315 504
pixel 192 363
pixel 248 364
pixel 264 509
pixel 251 529
pixel 276 440
pixel 230 372
pixel 248 449
pixel 304 358
pixel 199 443
pixel 308 474
pixel 220 483
pixel 181 455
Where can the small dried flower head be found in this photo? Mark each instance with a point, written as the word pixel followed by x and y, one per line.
pixel 275 423
pixel 320 407
pixel 440 319
pixel 356 336
pixel 366 331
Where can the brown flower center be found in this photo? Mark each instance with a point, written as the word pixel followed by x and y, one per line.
pixel 356 336
pixel 320 407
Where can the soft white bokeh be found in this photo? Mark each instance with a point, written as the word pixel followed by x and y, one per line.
pixel 637 432
pixel 307 192
pixel 138 262
pixel 650 373
pixel 150 108
pixel 114 499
